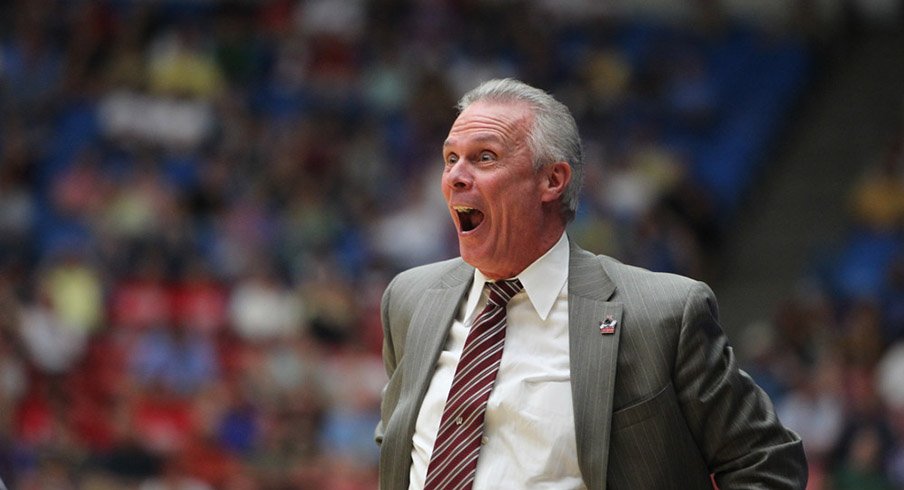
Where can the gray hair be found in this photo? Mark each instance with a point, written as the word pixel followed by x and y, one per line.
pixel 554 136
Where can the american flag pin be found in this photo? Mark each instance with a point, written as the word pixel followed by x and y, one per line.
pixel 607 326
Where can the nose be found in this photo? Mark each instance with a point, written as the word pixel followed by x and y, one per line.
pixel 458 176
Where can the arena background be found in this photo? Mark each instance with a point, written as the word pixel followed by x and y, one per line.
pixel 202 201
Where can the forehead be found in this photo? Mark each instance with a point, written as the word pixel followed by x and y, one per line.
pixel 486 121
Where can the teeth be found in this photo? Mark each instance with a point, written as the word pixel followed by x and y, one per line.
pixel 463 209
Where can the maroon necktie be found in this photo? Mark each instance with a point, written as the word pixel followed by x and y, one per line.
pixel 457 445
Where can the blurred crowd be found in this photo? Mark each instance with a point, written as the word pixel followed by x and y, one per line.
pixel 832 355
pixel 201 203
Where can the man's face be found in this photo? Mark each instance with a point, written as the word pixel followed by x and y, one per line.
pixel 498 202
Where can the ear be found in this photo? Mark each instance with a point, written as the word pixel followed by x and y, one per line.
pixel 556 177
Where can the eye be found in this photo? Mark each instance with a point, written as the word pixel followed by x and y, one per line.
pixel 487 156
pixel 451 159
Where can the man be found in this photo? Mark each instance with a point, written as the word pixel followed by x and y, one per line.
pixel 610 377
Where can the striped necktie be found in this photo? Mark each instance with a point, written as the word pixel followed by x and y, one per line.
pixel 458 441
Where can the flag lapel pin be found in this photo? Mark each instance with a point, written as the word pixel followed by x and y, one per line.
pixel 607 326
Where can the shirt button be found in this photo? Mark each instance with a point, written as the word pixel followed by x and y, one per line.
pixel 484 440
pixel 459 420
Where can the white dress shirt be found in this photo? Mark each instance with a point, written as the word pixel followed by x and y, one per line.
pixel 529 437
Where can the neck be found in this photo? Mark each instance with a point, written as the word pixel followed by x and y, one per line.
pixel 543 244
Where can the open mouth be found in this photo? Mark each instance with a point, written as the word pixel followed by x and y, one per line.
pixel 468 217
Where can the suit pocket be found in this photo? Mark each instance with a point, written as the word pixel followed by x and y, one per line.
pixel 653 432
pixel 648 407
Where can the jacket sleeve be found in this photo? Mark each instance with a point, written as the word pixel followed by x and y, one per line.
pixel 731 418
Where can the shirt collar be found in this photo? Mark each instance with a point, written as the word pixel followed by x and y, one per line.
pixel 542 280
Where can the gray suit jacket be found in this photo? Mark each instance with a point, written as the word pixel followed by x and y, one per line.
pixel 660 403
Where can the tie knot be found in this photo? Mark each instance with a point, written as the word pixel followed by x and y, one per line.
pixel 502 291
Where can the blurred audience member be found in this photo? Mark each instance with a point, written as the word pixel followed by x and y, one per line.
pixel 878 199
pixel 174 358
pixel 261 308
pixel 53 344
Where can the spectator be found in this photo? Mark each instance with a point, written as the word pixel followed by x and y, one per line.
pixel 75 289
pixel 815 410
pixel 878 200
pixel 861 468
pixel 174 358
pixel 261 308
pixel 53 344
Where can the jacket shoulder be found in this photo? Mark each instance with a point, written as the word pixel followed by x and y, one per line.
pixel 430 275
pixel 629 278
pixel 410 284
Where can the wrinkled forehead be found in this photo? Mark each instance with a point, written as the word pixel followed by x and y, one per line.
pixel 485 121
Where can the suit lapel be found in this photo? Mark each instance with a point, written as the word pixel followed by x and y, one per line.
pixel 427 335
pixel 429 329
pixel 593 361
